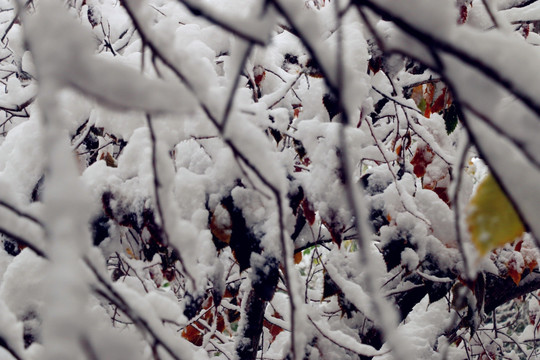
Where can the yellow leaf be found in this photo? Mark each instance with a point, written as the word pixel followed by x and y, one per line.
pixel 109 160
pixel 131 254
pixel 492 219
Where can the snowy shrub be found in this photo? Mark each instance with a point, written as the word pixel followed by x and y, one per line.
pixel 280 179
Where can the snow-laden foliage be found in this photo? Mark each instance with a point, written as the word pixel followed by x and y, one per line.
pixel 279 179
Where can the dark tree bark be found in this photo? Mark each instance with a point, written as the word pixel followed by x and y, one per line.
pixel 247 346
pixel 502 289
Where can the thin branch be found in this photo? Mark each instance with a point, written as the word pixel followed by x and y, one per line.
pixel 22 214
pixel 18 108
pixel 108 292
pixel 473 139
pixel 532 158
pixel 96 150
pixel 159 207
pixel 157 52
pixel 282 79
pixel 88 348
pixel 437 43
pixel 14 20
pixel 490 13
pixel 286 257
pixel 359 213
pixel 232 92
pixel 396 101
pixel 24 242
pixel 9 349
pixel 299 32
pixel 311 244
pixel 432 144
pixel 166 61
pixel 233 26
pixel 513 341
pixel 371 28
pixel 422 82
pixel 457 210
pixel 289 88
pixel 341 344
pixel 398 188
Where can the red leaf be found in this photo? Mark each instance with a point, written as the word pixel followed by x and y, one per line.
pixel 525 30
pixel 514 271
pixel 443 194
pixel 438 104
pixel 296 110
pixel 335 229
pixel 515 275
pixel 273 328
pixel 463 12
pixel 193 335
pixel 259 73
pixel 421 159
pixel 309 213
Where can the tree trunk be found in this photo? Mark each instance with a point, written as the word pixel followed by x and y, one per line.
pixel 247 345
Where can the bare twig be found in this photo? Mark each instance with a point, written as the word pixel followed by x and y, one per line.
pixel 490 13
pixel 336 341
pixel 107 291
pixel 22 214
pixel 24 242
pixel 233 27
pixel 457 209
pixel 159 207
pixel 398 187
pixel 439 44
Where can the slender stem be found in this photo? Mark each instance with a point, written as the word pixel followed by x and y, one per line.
pixel 18 212
pixel 159 206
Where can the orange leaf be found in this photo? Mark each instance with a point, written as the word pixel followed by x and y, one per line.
pixel 296 110
pixel 429 93
pixel 438 104
pixel 515 275
pixel 131 254
pixel 417 94
pixel 514 271
pixel 298 257
pixel 221 230
pixel 109 160
pixel 531 265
